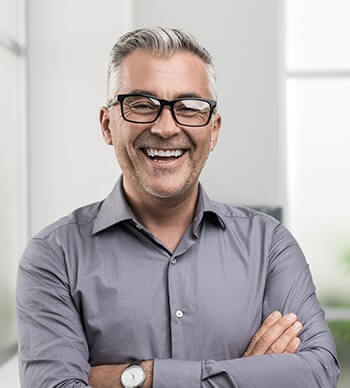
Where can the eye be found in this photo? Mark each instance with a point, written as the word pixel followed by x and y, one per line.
pixel 190 107
pixel 141 104
pixel 184 108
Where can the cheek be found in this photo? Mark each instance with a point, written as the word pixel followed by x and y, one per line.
pixel 123 137
pixel 204 144
pixel 119 133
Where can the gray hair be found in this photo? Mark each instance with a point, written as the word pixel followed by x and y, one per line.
pixel 158 40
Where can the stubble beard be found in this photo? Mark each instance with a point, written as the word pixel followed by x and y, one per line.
pixel 139 179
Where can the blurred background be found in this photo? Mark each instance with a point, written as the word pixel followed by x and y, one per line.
pixel 283 69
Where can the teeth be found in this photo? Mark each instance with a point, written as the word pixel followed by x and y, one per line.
pixel 163 153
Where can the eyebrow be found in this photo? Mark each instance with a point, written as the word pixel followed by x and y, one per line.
pixel 154 94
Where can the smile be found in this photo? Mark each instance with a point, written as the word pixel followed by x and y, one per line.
pixel 162 154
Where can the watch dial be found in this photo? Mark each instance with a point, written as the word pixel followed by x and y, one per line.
pixel 133 376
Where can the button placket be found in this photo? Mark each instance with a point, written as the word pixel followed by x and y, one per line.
pixel 175 307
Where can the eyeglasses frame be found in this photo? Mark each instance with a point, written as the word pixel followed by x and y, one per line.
pixel 121 97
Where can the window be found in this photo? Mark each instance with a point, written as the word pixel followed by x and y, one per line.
pixel 318 133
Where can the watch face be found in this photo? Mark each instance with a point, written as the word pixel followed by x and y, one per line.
pixel 133 376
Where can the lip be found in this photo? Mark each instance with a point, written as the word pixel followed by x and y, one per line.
pixel 163 164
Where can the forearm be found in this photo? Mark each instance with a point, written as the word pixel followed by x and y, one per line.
pixel 284 370
pixel 108 376
pixel 312 369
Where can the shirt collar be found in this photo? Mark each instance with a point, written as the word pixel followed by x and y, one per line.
pixel 115 209
pixel 205 209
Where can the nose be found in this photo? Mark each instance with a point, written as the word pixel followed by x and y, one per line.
pixel 165 126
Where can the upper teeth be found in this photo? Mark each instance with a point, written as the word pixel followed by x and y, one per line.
pixel 163 153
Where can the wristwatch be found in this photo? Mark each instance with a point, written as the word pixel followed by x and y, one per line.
pixel 133 376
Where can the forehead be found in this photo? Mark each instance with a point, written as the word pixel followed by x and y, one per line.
pixel 164 76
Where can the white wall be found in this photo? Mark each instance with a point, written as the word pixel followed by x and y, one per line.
pixel 9 187
pixel 9 374
pixel 69 44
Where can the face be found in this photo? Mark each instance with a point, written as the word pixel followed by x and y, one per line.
pixel 164 77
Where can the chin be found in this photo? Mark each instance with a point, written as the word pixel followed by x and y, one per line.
pixel 156 192
pixel 165 192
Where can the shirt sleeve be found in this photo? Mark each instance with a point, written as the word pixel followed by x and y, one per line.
pixel 289 288
pixel 53 351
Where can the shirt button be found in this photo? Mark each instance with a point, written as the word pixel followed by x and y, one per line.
pixel 138 226
pixel 179 313
pixel 173 261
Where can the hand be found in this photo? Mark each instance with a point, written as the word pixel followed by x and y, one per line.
pixel 277 335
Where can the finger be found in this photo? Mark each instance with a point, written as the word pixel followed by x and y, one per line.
pixel 268 322
pixel 274 333
pixel 293 346
pixel 279 346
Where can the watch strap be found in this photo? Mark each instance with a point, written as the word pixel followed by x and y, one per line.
pixel 137 362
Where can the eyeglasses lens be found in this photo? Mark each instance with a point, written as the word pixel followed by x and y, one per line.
pixel 143 109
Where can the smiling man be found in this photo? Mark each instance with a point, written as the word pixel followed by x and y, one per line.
pixel 162 125
pixel 157 285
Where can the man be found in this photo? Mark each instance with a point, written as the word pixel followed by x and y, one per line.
pixel 157 285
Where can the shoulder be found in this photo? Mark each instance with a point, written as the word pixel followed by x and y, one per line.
pixel 78 218
pixel 244 215
pixel 251 227
pixel 259 231
pixel 64 232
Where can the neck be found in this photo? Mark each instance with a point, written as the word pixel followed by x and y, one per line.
pixel 162 213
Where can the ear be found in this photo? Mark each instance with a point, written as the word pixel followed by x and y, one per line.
pixel 215 131
pixel 104 124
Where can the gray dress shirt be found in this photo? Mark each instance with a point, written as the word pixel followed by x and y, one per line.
pixel 96 287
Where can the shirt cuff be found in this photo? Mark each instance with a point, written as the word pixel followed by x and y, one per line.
pixel 170 373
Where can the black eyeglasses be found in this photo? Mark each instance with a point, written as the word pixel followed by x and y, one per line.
pixel 144 109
